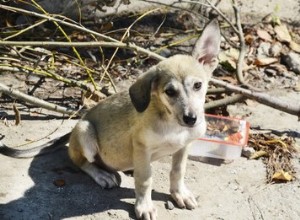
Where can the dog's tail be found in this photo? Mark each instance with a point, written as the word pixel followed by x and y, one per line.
pixel 46 148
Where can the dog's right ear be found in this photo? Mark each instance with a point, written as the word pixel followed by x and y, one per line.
pixel 140 91
pixel 207 46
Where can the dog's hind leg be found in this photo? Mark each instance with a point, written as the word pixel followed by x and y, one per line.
pixel 83 150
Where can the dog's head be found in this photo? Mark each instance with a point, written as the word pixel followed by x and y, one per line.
pixel 176 87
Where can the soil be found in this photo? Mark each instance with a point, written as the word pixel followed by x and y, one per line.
pixel 51 187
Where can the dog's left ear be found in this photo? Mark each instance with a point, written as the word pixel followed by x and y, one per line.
pixel 140 91
pixel 207 46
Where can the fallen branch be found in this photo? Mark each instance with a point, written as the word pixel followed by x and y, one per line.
pixel 36 101
pixel 263 98
pixel 83 44
pixel 55 76
pixel 56 19
pixel 69 40
pixel 225 101
pixel 223 16
pixel 239 66
pixel 81 28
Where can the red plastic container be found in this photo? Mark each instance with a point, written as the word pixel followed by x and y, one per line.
pixel 224 139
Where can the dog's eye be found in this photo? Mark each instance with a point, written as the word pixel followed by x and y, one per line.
pixel 197 86
pixel 171 92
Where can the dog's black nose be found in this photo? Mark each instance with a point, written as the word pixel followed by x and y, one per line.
pixel 190 119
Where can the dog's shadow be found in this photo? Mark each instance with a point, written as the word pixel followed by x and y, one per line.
pixel 61 190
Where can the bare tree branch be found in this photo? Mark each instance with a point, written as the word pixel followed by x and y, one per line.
pixel 225 101
pixel 239 66
pixel 82 44
pixel 36 101
pixel 263 98
pixel 56 19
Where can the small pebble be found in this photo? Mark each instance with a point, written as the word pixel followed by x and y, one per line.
pixel 292 62
pixel 170 205
pixel 247 151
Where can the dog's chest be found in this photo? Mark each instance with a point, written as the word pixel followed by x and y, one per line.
pixel 166 142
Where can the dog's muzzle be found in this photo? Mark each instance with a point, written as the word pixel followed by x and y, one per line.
pixel 189 119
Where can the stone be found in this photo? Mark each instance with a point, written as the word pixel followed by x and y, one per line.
pixel 276 49
pixel 169 205
pixel 263 50
pixel 292 62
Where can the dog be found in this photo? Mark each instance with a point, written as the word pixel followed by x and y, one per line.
pixel 160 114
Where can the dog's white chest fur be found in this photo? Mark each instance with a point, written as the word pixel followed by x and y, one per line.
pixel 168 140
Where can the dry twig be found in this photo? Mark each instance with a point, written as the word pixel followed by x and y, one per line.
pixel 35 101
pixel 69 40
pixel 225 101
pixel 263 98
pixel 279 152
pixel 260 97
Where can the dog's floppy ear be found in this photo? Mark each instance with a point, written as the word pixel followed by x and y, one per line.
pixel 207 46
pixel 140 91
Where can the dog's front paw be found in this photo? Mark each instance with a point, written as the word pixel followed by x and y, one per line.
pixel 145 210
pixel 184 198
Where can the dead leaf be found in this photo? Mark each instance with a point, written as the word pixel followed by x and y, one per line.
pixel 251 102
pixel 282 33
pixel 234 38
pixel 90 99
pixel 236 137
pixel 281 175
pixel 258 154
pixel 265 61
pixel 249 38
pixel 228 58
pixel 264 35
pixel 229 79
pixel 227 62
pixel 294 46
pixel 268 18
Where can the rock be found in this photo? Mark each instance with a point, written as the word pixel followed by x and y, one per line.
pixel 271 72
pixel 169 205
pixel 165 52
pixel 263 50
pixel 276 49
pixel 292 62
pixel 248 151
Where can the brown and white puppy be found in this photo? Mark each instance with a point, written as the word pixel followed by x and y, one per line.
pixel 162 112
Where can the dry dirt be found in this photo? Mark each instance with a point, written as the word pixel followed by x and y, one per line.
pixel 235 190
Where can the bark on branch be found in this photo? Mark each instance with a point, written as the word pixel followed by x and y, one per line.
pixel 288 107
pixel 263 98
pixel 36 101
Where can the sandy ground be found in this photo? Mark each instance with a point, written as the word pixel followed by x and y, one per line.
pixel 251 11
pixel 235 190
